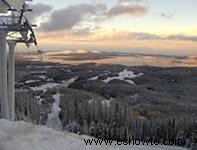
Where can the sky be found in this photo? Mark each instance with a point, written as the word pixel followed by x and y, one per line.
pixel 140 26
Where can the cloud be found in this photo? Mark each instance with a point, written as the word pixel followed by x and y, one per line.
pixel 132 9
pixel 70 16
pixel 84 31
pixel 148 36
pixel 142 36
pixel 182 37
pixel 38 10
pixel 166 15
pixel 67 18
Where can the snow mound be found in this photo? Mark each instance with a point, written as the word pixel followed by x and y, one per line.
pixel 26 136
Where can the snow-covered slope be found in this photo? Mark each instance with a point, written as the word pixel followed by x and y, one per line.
pixel 26 136
pixel 53 120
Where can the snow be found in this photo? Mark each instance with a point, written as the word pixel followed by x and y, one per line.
pixel 67 83
pixel 107 102
pixel 31 81
pixel 39 99
pixel 90 101
pixel 44 87
pixel 39 72
pixel 125 75
pixel 26 136
pixel 48 86
pixel 134 96
pixel 94 78
pixel 42 77
pixel 104 102
pixel 53 120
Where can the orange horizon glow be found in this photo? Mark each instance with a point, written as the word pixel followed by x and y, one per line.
pixel 117 40
pixel 153 27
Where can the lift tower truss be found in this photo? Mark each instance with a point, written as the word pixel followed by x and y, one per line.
pixel 14 28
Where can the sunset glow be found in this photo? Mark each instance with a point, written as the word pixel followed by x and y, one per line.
pixel 146 26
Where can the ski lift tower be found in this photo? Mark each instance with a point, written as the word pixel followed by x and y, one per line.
pixel 14 28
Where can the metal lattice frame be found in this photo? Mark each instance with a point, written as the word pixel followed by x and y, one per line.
pixel 18 29
pixel 15 28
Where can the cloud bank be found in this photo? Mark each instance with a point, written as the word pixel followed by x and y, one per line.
pixel 143 36
pixel 70 16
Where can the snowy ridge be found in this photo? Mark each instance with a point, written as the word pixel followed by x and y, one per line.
pixel 26 136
